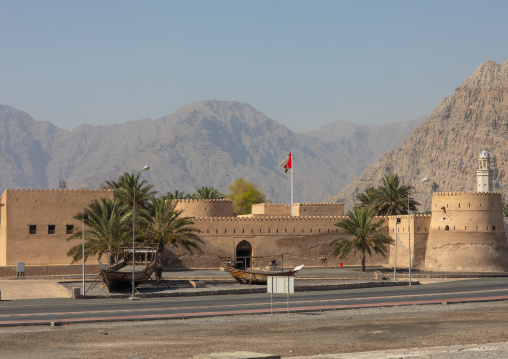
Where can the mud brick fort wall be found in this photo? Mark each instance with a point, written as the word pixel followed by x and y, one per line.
pixel 35 225
pixel 465 232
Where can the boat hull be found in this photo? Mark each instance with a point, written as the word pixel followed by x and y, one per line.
pixel 121 278
pixel 253 276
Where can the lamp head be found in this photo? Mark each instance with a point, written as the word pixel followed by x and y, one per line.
pixel 146 168
pixel 425 179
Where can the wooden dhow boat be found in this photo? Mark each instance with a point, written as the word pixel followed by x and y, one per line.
pixel 258 275
pixel 118 275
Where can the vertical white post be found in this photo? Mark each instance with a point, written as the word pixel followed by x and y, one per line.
pixel 291 191
pixel 133 242
pixel 83 253
pixel 395 255
pixel 292 182
pixel 287 281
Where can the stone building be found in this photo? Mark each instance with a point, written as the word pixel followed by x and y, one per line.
pixel 35 225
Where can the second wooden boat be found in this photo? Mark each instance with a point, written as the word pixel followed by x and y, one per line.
pixel 259 276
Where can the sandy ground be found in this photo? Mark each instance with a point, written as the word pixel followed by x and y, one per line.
pixel 477 330
pixel 31 289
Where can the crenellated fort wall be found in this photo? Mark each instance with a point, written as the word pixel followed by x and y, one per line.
pixel 270 230
pixel 302 240
pixel 464 233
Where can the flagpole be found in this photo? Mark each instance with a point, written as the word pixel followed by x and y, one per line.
pixel 291 182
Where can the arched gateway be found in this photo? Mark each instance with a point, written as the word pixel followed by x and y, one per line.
pixel 243 254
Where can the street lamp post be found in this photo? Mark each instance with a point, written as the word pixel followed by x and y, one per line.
pixel 397 221
pixel 146 168
pixel 85 217
pixel 409 229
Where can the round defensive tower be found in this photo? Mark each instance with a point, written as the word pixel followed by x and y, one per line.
pixel 467 233
pixel 206 207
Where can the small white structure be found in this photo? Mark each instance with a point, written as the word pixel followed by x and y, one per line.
pixel 484 174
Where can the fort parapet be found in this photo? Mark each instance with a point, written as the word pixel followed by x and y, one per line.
pixel 271 209
pixel 318 209
pixel 299 209
pixel 206 207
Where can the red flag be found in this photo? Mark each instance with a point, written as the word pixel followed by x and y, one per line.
pixel 287 163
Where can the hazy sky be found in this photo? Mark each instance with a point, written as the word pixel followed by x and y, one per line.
pixel 302 63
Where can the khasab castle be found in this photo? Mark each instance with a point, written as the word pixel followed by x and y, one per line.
pixel 464 233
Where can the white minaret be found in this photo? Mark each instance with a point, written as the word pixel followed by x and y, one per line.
pixel 484 174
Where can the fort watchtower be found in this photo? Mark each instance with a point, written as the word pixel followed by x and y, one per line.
pixel 467 233
pixel 205 207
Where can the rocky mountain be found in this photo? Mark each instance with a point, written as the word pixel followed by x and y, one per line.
pixel 208 143
pixel 445 148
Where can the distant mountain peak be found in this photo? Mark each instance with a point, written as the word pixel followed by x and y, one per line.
pixel 446 146
pixel 489 74
pixel 219 108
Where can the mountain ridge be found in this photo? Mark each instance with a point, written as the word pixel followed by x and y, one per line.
pixel 204 143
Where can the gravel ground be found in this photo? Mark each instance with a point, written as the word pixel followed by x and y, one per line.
pixel 473 330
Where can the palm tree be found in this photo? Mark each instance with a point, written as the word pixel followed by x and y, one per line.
pixel 367 199
pixel 177 195
pixel 391 198
pixel 108 227
pixel 127 185
pixel 363 235
pixel 208 193
pixel 168 227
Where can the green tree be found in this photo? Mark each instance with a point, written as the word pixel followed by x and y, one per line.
pixel 391 197
pixel 244 194
pixel 505 209
pixel 208 193
pixel 362 234
pixel 167 226
pixel 108 227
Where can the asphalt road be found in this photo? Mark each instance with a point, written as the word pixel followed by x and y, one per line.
pixel 45 311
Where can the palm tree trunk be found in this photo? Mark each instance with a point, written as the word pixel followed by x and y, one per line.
pixel 158 265
pixel 362 268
